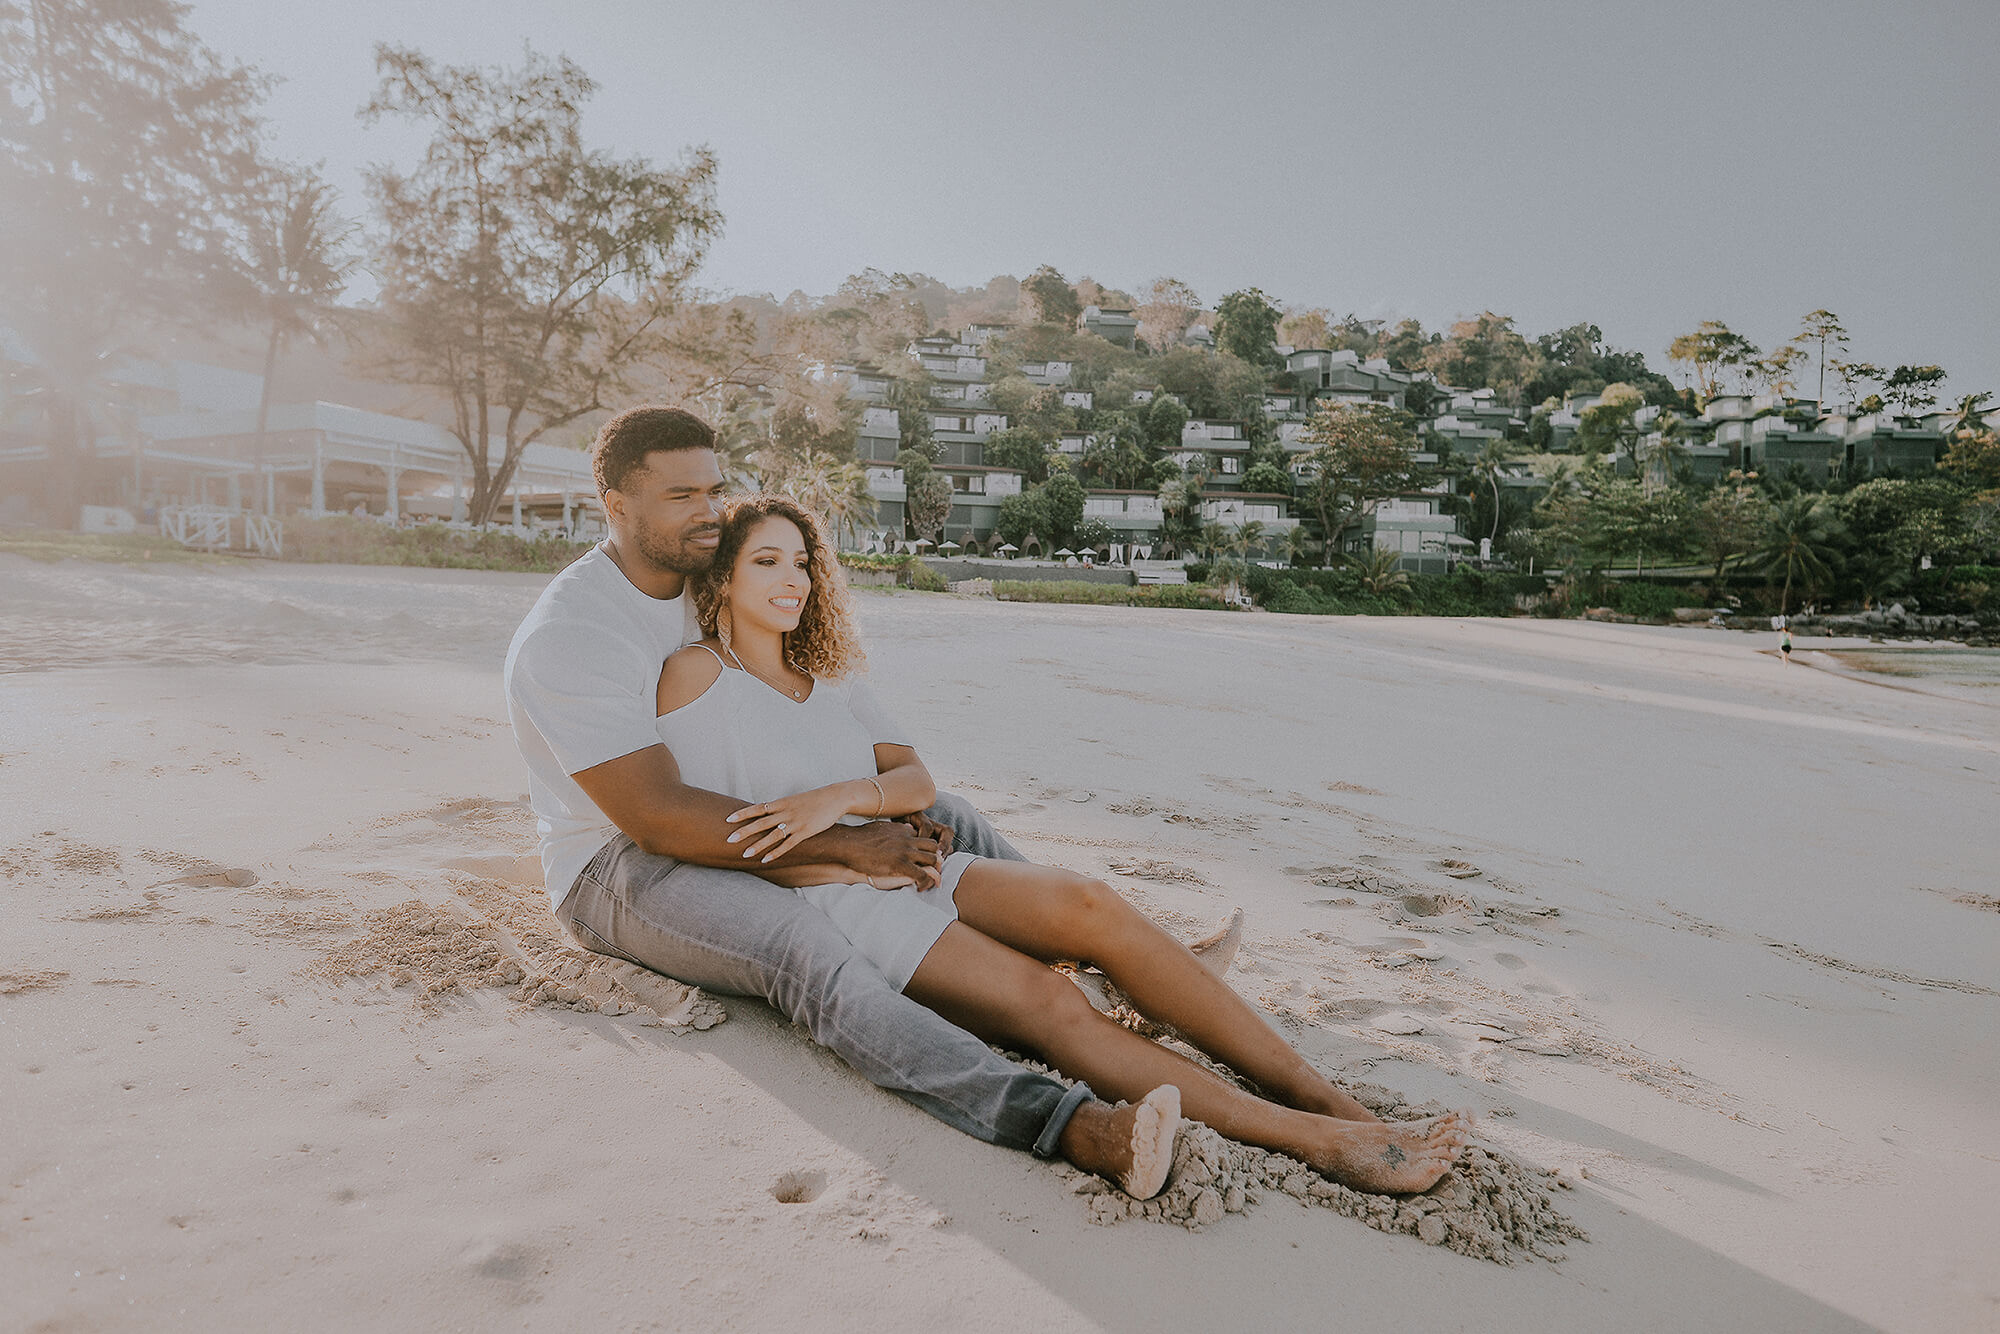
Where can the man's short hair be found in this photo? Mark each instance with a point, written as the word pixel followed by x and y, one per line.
pixel 624 442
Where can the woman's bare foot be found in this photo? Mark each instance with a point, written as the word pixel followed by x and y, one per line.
pixel 1218 949
pixel 1132 1145
pixel 1390 1157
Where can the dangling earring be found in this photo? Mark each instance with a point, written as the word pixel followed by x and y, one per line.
pixel 722 619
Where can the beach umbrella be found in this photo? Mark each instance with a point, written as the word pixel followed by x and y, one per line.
pixel 1007 548
pixel 950 546
pixel 1065 552
pixel 923 542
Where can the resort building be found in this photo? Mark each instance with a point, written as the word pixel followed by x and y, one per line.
pixel 1113 325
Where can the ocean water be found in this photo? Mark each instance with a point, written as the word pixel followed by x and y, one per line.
pixel 1973 668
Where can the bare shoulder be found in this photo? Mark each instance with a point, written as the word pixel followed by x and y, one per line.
pixel 686 676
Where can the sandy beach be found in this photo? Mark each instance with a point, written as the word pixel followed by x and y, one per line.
pixel 1712 945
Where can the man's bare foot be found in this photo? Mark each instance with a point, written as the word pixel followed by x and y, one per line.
pixel 1390 1157
pixel 1132 1145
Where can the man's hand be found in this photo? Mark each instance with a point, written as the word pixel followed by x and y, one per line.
pixel 889 853
pixel 931 829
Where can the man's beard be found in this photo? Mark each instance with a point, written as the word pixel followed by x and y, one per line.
pixel 678 552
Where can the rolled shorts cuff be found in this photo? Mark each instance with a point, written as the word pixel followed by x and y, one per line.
pixel 1078 1094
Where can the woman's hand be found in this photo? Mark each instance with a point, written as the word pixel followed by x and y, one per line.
pixel 773 828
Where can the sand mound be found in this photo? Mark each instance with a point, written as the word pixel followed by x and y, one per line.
pixel 496 934
pixel 1488 1207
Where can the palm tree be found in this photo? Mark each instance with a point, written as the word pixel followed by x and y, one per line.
pixel 1487 468
pixel 1180 514
pixel 1297 544
pixel 1248 536
pixel 1971 415
pixel 1377 570
pixel 298 262
pixel 835 489
pixel 1800 539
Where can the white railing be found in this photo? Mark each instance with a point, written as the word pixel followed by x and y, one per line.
pixel 264 534
pixel 213 528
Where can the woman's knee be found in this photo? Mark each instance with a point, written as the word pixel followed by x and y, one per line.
pixel 1051 1006
pixel 1091 911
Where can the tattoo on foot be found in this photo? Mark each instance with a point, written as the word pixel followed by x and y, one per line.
pixel 1394 1156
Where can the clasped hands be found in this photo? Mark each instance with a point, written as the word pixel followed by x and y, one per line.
pixel 887 854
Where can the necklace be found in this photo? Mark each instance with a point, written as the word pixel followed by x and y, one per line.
pixel 783 689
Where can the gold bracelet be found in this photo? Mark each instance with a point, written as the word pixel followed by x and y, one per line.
pixel 880 800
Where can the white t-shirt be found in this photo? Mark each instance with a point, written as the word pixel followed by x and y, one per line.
pixel 582 680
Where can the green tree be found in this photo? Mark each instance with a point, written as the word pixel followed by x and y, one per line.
pixel 1165 419
pixel 1379 572
pixel 127 153
pixel 1712 350
pixel 1023 449
pixel 1973 453
pixel 1021 516
pixel 1054 298
pixel 1801 543
pixel 524 276
pixel 1858 375
pixel 1913 388
pixel 1727 522
pixel 910 396
pixel 1246 327
pixel 1180 513
pixel 1408 347
pixel 1610 426
pixel 1485 352
pixel 1268 479
pixel 926 495
pixel 1062 505
pixel 1361 452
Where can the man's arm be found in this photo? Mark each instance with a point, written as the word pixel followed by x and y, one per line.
pixel 643 795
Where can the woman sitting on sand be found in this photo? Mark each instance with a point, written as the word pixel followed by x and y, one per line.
pixel 765 707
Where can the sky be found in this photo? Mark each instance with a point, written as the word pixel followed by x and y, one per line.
pixel 1641 167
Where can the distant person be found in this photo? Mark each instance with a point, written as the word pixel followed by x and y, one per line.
pixel 1785 645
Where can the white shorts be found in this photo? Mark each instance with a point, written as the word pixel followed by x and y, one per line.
pixel 893 928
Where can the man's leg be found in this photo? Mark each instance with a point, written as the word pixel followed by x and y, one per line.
pixel 970 830
pixel 732 932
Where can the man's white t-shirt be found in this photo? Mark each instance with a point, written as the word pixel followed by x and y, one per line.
pixel 582 680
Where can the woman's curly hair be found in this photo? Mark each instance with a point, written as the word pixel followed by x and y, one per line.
pixel 825 644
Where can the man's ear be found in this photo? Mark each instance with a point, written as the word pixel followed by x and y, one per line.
pixel 614 503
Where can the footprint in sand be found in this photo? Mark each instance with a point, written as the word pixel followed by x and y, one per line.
pixel 799 1187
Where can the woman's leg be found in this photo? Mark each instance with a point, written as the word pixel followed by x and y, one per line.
pixel 1054 914
pixel 1006 997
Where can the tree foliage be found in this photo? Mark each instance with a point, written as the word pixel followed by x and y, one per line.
pixel 1164 316
pixel 926 495
pixel 1246 327
pixel 1710 352
pixel 524 275
pixel 1360 453
pixel 1054 299
pixel 127 153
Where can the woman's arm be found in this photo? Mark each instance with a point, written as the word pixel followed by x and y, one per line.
pixel 901 786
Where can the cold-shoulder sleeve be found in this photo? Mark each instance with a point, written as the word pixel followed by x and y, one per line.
pixel 882 728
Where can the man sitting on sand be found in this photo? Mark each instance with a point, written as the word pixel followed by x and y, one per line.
pixel 636 861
